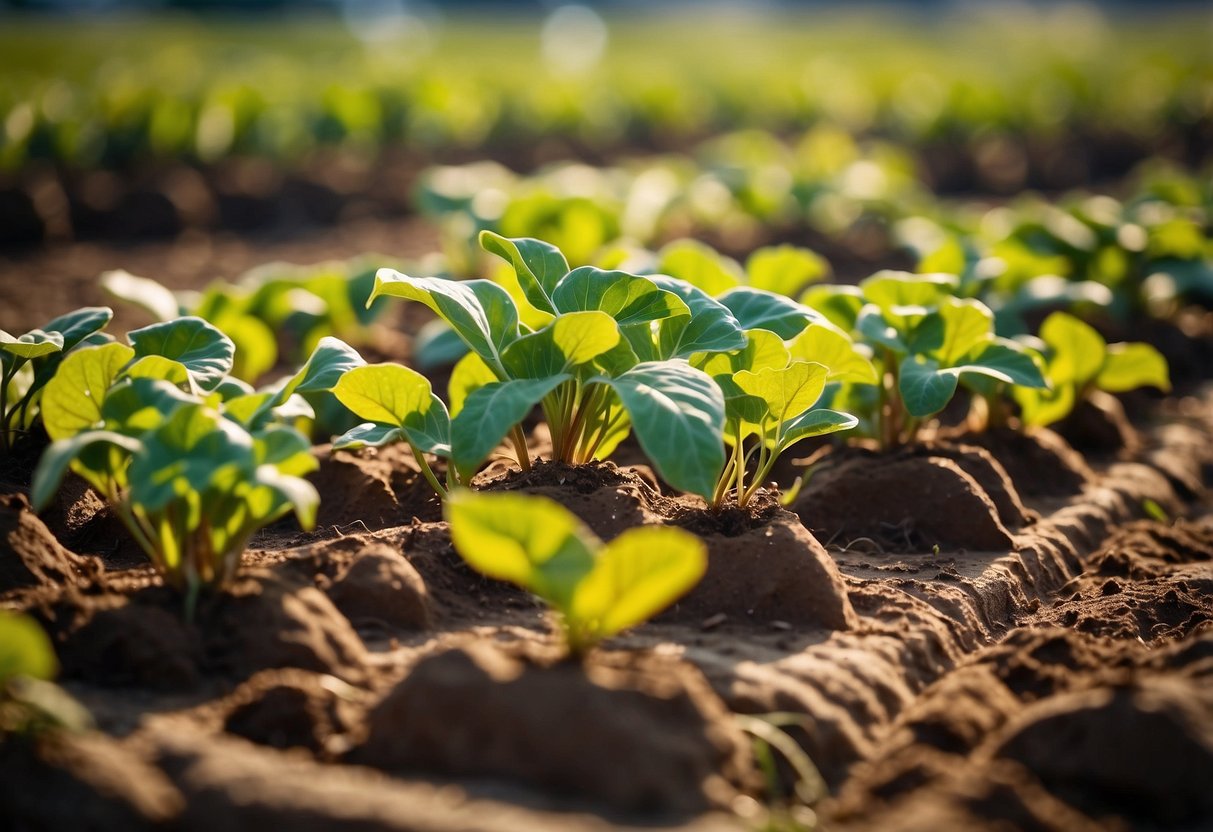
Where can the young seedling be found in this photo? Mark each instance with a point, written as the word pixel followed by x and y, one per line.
pixel 29 361
pixel 595 589
pixel 1079 363
pixel 605 353
pixel 925 342
pixel 190 482
pixel 770 397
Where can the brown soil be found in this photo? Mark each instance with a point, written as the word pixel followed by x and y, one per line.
pixel 363 677
pixel 913 501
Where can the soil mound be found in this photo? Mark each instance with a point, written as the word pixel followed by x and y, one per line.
pixel 634 738
pixel 264 621
pixel 775 572
pixel 905 502
pixel 1039 463
pixel 289 708
pixel 380 588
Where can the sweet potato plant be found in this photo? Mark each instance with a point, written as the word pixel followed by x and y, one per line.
pixel 190 462
pixel 595 589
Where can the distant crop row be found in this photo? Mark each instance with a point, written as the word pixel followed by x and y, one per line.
pixel 157 90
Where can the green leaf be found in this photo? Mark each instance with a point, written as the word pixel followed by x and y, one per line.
pixel 836 351
pixel 677 413
pixel 256 346
pixel 331 360
pixel 763 348
pixel 394 395
pixel 903 293
pixel 698 265
pixel 489 413
pixel 72 399
pixel 480 311
pixel 59 455
pixel 1040 407
pixel 628 298
pixel 788 391
pixel 185 455
pixel 159 367
pixel 756 309
pixel 530 541
pixel 1077 351
pixel 925 387
pixel 636 576
pixel 33 344
pixel 572 339
pixel 1129 366
pixel 368 435
pixel 143 292
pixel 817 422
pixel 1006 360
pixel 839 304
pixel 25 650
pixel 538 265
pixel 785 269
pixel 80 324
pixel 968 324
pixel 437 345
pixel 469 374
pixel 384 393
pixel 205 351
pixel 136 405
pixel 872 327
pixel 710 326
pixel 293 492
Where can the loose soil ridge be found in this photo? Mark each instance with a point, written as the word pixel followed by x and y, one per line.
pixel 936 687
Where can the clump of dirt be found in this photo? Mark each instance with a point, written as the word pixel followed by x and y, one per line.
pixel 731 520
pixel 381 588
pixel 30 556
pixel 291 708
pixel 550 473
pixel 905 501
pixel 646 735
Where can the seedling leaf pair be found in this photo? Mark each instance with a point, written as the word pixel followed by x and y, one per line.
pixel 597 589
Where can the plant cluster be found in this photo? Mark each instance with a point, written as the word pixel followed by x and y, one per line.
pixel 191 461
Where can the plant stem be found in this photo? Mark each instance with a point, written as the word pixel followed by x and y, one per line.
pixel 427 472
pixel 519 440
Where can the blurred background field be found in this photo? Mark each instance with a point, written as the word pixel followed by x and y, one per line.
pixel 1007 141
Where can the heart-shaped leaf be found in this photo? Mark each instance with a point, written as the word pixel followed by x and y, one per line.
pixel 569 341
pixel 204 351
pixel 628 298
pixel 758 309
pixel 480 311
pixel 72 399
pixel 533 542
pixel 677 413
pixel 538 265
pixel 1129 366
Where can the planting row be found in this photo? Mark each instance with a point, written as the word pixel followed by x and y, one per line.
pixel 714 388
